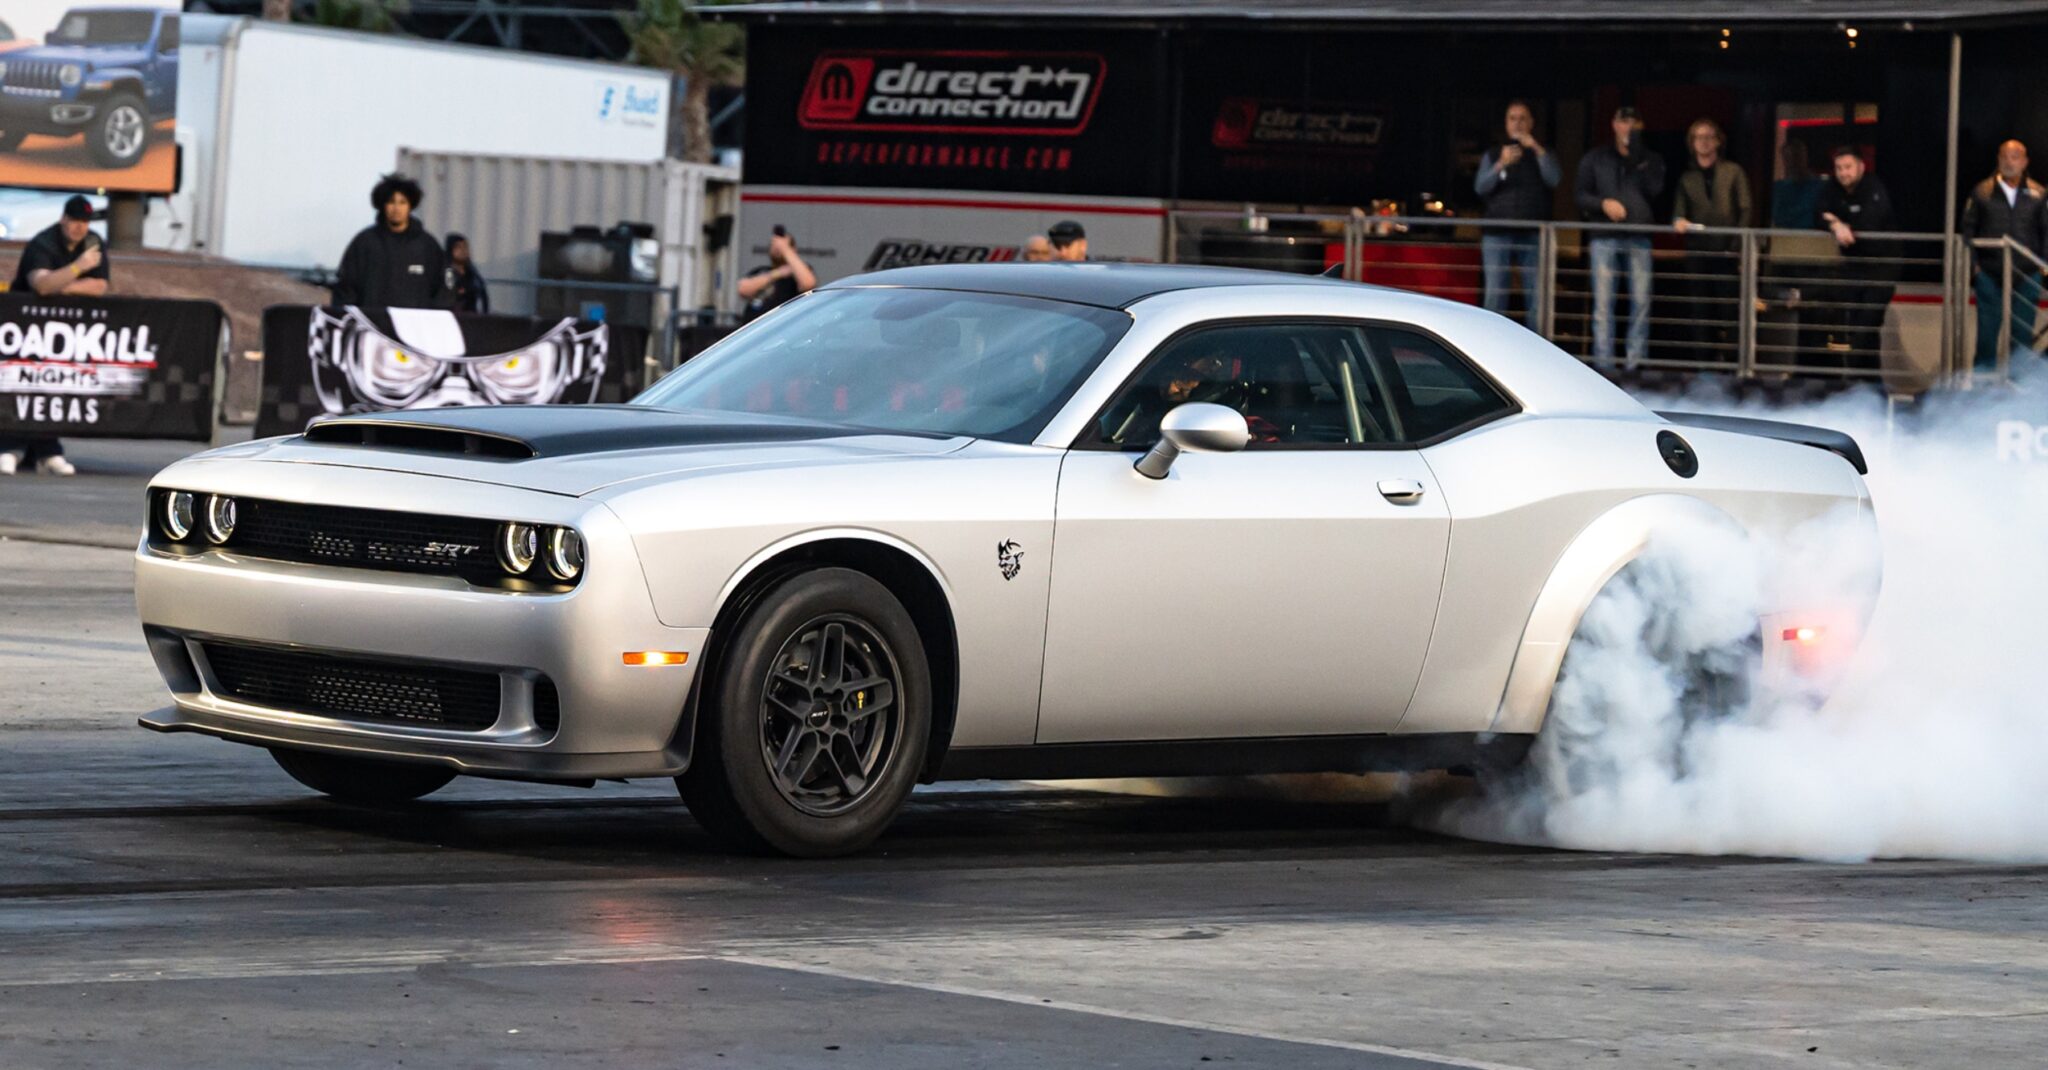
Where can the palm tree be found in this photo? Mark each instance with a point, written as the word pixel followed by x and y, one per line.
pixel 670 35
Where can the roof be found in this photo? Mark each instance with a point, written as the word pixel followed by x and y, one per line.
pixel 1104 285
pixel 1602 14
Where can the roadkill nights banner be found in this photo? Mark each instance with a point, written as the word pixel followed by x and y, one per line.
pixel 330 361
pixel 108 367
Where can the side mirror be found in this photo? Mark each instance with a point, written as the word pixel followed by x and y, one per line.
pixel 1196 427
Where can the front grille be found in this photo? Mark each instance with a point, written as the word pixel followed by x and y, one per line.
pixel 38 77
pixel 368 538
pixel 355 689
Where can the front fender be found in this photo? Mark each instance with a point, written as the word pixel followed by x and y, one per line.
pixel 1602 549
pixel 103 83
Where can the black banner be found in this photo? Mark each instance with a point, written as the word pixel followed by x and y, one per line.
pixel 108 367
pixel 1017 110
pixel 329 361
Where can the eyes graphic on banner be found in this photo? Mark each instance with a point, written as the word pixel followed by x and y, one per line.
pixel 337 360
pixel 424 359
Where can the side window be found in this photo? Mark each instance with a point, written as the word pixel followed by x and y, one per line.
pixel 1295 384
pixel 167 36
pixel 1432 390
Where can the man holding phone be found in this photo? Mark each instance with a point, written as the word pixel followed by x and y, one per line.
pixel 1617 184
pixel 1515 180
pixel 67 259
pixel 785 276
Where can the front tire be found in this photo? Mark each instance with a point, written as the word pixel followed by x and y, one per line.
pixel 364 781
pixel 119 134
pixel 815 721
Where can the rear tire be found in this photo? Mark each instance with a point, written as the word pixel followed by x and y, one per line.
pixel 365 781
pixel 814 723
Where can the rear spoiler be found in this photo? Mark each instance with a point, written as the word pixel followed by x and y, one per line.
pixel 1834 442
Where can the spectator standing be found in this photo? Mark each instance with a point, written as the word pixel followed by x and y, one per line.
pixel 464 281
pixel 1795 197
pixel 1069 241
pixel 66 259
pixel 1037 249
pixel 1617 183
pixel 783 277
pixel 1515 180
pixel 1854 204
pixel 1713 194
pixel 2007 205
pixel 394 262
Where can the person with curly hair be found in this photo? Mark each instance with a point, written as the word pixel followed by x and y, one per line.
pixel 394 262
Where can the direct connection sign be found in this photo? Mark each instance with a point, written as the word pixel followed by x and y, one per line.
pixel 938 92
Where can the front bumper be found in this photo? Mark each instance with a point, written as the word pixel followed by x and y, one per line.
pixel 615 720
pixel 40 114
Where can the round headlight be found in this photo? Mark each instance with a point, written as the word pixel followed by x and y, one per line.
pixel 565 554
pixel 518 545
pixel 220 518
pixel 178 511
pixel 71 74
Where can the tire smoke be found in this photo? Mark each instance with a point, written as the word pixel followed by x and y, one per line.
pixel 1934 742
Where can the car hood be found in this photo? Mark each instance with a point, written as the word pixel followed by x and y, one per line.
pixel 579 449
pixel 86 55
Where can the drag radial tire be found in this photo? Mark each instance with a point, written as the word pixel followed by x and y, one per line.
pixel 813 725
pixel 361 780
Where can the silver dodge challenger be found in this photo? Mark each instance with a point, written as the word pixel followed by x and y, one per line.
pixel 977 521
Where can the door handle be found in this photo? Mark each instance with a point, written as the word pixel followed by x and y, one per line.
pixel 1401 491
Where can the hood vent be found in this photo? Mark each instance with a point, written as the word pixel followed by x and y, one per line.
pixel 390 435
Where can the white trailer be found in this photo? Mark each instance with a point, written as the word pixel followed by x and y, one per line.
pixel 285 128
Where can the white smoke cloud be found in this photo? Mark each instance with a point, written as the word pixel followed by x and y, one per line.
pixel 1934 744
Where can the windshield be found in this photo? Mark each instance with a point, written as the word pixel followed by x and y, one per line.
pixel 105 28
pixel 987 365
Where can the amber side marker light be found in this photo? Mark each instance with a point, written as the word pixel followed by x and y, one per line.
pixel 656 657
pixel 1807 634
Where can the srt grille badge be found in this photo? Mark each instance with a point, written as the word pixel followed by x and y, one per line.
pixel 449 549
pixel 1009 558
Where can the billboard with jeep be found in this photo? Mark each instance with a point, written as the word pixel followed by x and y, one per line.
pixel 93 106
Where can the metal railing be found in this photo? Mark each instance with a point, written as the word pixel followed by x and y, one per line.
pixel 1754 303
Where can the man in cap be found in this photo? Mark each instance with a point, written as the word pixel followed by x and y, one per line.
pixel 67 259
pixel 1618 182
pixel 394 262
pixel 1069 241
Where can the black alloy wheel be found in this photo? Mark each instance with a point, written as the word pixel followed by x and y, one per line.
pixel 829 719
pixel 812 720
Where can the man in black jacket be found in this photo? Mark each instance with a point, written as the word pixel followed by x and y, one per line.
pixel 394 262
pixel 1617 183
pixel 1515 179
pixel 2009 204
pixel 1854 204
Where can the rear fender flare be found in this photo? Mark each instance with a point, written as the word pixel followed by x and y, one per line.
pixel 1595 555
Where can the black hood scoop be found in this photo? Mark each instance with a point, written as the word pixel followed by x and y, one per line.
pixel 525 432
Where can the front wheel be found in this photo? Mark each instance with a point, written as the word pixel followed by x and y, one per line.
pixel 365 781
pixel 815 722
pixel 119 133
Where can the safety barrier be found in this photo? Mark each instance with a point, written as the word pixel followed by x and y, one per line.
pixel 1752 303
